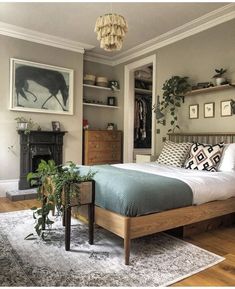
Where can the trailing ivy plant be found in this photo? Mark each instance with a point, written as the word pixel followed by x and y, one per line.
pixel 174 90
pixel 52 182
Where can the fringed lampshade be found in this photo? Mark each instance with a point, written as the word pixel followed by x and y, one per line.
pixel 111 30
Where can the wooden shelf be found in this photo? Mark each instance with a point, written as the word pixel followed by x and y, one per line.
pixel 144 80
pixel 144 91
pixel 99 87
pixel 210 89
pixel 99 105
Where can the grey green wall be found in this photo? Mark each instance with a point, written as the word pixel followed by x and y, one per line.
pixel 10 47
pixel 197 57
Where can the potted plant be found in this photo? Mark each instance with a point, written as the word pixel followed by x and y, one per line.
pixel 219 76
pixel 24 124
pixel 174 90
pixel 54 181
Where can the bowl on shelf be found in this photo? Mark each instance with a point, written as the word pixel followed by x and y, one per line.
pixel 102 81
pixel 89 79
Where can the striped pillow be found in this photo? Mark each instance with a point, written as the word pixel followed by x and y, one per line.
pixel 174 154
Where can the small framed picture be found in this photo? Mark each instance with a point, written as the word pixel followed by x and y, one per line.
pixel 194 111
pixel 55 125
pixel 209 110
pixel 225 108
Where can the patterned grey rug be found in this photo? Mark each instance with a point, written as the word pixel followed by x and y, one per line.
pixel 157 260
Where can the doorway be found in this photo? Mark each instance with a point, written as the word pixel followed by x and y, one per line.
pixel 146 144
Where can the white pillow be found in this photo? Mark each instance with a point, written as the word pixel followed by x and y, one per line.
pixel 227 163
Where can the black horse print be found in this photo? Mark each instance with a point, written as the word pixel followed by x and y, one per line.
pixel 52 80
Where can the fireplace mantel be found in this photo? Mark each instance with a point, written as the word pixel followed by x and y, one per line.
pixel 35 146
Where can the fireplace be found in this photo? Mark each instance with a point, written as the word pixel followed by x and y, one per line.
pixel 37 146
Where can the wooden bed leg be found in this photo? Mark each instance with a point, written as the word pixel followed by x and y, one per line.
pixel 127 241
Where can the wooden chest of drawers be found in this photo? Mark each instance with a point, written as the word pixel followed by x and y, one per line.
pixel 102 147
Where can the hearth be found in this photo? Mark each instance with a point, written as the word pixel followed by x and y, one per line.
pixel 37 146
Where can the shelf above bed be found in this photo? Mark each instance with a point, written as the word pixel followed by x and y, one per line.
pixel 210 89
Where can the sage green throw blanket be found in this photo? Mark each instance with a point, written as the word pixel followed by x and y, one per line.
pixel 133 193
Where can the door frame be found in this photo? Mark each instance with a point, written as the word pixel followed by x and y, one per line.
pixel 129 94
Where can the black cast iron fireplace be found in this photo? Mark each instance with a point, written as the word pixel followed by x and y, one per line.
pixel 37 146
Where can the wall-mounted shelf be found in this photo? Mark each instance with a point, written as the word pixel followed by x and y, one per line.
pixel 143 91
pixel 210 89
pixel 99 87
pixel 99 105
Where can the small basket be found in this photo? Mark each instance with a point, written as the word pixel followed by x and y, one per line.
pixel 102 81
pixel 89 79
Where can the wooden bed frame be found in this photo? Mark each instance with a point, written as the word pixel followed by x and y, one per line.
pixel 133 227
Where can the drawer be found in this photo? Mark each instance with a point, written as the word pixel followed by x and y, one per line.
pixel 104 146
pixel 103 135
pixel 104 157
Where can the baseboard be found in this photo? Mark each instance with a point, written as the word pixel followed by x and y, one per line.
pixel 8 185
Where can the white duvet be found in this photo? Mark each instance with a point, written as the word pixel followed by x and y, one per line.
pixel 206 186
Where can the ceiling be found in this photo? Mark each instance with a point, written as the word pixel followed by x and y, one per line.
pixel 75 21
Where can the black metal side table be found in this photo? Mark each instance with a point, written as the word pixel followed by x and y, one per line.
pixel 87 197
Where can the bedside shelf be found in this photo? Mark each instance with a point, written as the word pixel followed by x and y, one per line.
pixel 99 105
pixel 144 91
pixel 99 87
pixel 210 89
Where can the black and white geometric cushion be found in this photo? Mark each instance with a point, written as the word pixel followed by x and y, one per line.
pixel 174 154
pixel 204 157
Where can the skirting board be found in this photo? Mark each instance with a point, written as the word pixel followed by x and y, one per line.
pixel 7 185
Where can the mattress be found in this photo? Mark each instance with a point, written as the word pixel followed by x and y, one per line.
pixel 205 186
pixel 135 193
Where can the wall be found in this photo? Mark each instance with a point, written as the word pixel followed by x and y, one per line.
pixel 10 47
pixel 98 117
pixel 197 57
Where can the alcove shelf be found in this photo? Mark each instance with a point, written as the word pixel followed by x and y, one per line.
pixel 99 105
pixel 98 87
pixel 210 89
pixel 143 91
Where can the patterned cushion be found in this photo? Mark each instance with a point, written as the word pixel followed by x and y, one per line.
pixel 174 154
pixel 204 157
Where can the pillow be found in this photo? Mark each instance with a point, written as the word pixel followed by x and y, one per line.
pixel 174 154
pixel 204 157
pixel 227 163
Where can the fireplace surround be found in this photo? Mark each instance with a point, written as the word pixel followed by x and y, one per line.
pixel 35 146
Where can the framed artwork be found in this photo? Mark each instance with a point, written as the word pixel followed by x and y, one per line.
pixel 38 87
pixel 193 111
pixel 225 108
pixel 55 125
pixel 209 110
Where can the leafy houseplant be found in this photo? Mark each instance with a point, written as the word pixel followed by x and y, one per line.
pixel 219 76
pixel 174 90
pixel 25 124
pixel 53 181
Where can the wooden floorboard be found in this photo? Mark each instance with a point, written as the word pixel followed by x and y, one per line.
pixel 221 241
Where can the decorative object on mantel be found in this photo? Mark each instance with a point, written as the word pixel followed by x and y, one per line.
pixel 174 90
pixel 111 30
pixel 54 181
pixel 38 87
pixel 55 125
pixel 26 125
pixel 219 76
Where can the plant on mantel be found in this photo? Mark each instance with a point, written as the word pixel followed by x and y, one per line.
pixel 25 124
pixel 53 182
pixel 174 90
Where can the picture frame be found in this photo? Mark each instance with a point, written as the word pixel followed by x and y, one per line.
pixel 55 125
pixel 111 100
pixel 194 111
pixel 209 110
pixel 38 87
pixel 225 108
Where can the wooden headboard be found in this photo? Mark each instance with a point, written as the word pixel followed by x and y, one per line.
pixel 210 138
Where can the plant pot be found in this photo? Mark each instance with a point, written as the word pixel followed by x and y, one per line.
pixel 22 125
pixel 219 80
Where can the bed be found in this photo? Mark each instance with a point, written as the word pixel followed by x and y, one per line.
pixel 204 200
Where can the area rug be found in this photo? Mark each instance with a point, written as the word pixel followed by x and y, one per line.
pixel 157 260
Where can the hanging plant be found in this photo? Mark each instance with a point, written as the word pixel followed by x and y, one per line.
pixel 52 182
pixel 174 90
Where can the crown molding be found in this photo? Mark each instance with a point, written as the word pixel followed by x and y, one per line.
pixel 42 38
pixel 98 58
pixel 200 24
